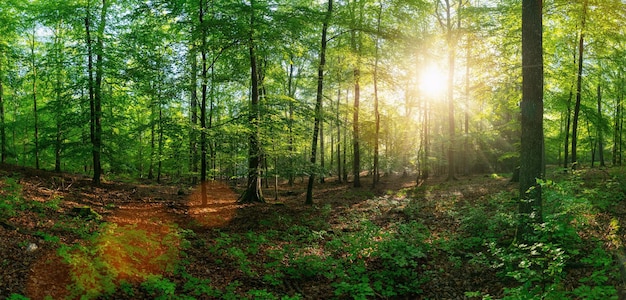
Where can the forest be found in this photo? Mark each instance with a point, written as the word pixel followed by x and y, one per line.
pixel 312 149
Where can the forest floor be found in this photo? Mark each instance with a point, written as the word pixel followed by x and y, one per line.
pixel 70 238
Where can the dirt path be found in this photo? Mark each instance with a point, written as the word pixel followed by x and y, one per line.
pixel 141 239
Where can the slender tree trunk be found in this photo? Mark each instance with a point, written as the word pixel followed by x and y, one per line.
pixel 318 102
pixel 466 139
pixel 338 124
pixel 532 151
pixel 600 133
pixel 291 91
pixel 616 115
pixel 193 106
pixel 203 95
pixel 160 147
pixel 426 142
pixel 58 145
pixel 322 146
pixel 376 176
pixel 568 119
pixel 253 192
pixel 345 141
pixel 3 136
pixel 152 141
pixel 36 116
pixel 579 81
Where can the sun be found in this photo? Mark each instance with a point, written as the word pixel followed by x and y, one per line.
pixel 432 82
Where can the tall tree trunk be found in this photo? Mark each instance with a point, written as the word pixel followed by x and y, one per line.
pixel 532 151
pixel 253 192
pixel 579 81
pixel 600 134
pixel 58 144
pixel 466 138
pixel 338 124
pixel 3 136
pixel 204 79
pixel 568 119
pixel 36 116
pixel 322 146
pixel 152 141
pixel 318 102
pixel 345 141
pixel 193 106
pixel 160 147
pixel 291 148
pixel 616 125
pixel 376 176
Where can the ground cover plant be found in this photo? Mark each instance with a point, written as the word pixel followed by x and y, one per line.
pixel 401 241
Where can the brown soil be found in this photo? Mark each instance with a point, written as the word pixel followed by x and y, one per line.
pixel 156 208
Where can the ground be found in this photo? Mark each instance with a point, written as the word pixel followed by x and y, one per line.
pixel 144 219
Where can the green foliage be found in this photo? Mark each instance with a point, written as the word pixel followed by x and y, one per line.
pixel 540 266
pixel 159 287
pixel 17 297
pixel 11 200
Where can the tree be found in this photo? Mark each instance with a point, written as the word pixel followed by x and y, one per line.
pixel 531 154
pixel 253 192
pixel 581 49
pixel 318 102
pixel 95 84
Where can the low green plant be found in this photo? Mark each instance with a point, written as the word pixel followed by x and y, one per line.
pixel 158 287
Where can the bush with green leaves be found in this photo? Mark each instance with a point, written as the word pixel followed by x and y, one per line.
pixel 540 264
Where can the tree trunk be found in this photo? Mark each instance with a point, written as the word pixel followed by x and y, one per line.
pixel 600 134
pixel 338 124
pixel 318 103
pixel 617 132
pixel 36 116
pixel 376 176
pixel 193 106
pixel 567 127
pixel 58 144
pixel 203 95
pixel 532 151
pixel 3 136
pixel 579 81
pixel 322 146
pixel 253 192
pixel 291 91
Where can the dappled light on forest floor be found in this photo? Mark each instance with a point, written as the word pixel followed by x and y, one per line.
pixel 140 239
pixel 212 204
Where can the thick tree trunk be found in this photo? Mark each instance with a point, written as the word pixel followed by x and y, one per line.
pixel 532 151
pixel 318 103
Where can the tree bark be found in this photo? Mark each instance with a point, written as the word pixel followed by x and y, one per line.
pixel 203 95
pixel 567 127
pixel 581 48
pixel 3 136
pixel 376 174
pixel 532 151
pixel 253 192
pixel 600 134
pixel 36 116
pixel 318 103
pixel 193 106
